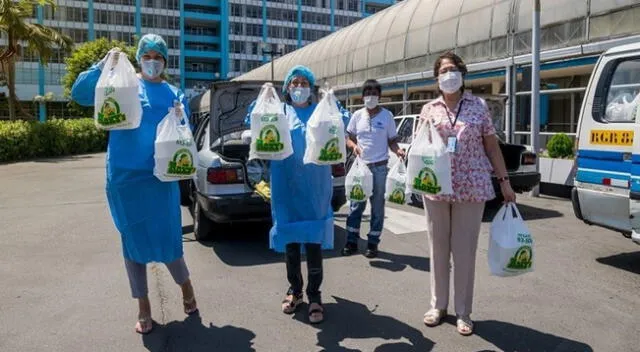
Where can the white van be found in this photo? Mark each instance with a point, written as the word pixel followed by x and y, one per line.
pixel 607 183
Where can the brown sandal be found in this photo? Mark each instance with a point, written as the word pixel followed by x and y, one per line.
pixel 316 313
pixel 291 303
pixel 144 325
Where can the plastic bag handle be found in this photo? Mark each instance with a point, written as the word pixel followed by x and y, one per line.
pixel 515 213
pixel 420 132
pixel 502 213
pixel 398 167
pixel 178 111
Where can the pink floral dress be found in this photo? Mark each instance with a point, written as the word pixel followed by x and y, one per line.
pixel 470 165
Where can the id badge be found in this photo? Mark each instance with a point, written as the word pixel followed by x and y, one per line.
pixel 452 143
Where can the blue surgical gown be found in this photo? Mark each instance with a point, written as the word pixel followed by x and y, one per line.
pixel 300 193
pixel 145 210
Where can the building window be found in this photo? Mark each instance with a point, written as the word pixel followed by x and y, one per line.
pixel 254 30
pixel 352 5
pixel 235 28
pixel 237 47
pixel 236 10
pixel 254 12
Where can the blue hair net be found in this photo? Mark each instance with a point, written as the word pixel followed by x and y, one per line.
pixel 296 71
pixel 152 42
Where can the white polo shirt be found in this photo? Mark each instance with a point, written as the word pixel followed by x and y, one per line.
pixel 373 134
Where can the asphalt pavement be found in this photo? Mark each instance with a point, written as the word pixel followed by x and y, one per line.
pixel 64 286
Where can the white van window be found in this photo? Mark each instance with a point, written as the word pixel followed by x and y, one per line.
pixel 623 96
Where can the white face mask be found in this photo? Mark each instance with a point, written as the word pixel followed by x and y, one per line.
pixel 300 95
pixel 152 68
pixel 450 82
pixel 371 101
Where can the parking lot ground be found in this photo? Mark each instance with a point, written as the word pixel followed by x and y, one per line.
pixel 64 287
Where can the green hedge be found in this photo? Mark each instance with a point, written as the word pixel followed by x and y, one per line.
pixel 22 140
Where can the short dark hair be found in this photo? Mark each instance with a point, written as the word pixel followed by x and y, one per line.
pixel 457 61
pixel 371 84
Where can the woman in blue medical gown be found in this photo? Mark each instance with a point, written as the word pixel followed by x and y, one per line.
pixel 145 210
pixel 301 201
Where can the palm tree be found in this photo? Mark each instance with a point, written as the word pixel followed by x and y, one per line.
pixel 40 40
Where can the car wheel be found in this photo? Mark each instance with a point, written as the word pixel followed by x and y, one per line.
pixel 416 201
pixel 202 225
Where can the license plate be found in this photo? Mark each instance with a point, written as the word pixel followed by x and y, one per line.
pixel 612 137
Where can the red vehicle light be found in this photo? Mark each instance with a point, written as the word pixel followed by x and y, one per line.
pixel 338 170
pixel 529 158
pixel 218 176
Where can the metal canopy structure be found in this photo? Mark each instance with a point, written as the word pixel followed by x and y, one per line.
pixel 402 42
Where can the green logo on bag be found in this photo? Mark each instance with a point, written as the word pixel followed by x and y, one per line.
pixel 182 163
pixel 269 118
pixel 427 181
pixel 110 113
pixel 109 90
pixel 523 259
pixel 331 151
pixel 428 161
pixel 184 137
pixel 357 193
pixel 525 238
pixel 269 140
pixel 397 196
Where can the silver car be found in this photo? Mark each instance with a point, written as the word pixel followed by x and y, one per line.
pixel 223 188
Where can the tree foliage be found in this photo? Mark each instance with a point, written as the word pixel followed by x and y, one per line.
pixel 40 40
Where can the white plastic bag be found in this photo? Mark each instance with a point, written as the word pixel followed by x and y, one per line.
pixel 359 182
pixel 271 137
pixel 623 107
pixel 325 137
pixel 175 150
pixel 396 188
pixel 429 165
pixel 510 243
pixel 117 104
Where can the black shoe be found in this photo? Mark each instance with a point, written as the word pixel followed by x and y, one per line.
pixel 372 251
pixel 349 249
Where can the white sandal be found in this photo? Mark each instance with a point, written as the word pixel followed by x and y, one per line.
pixel 464 326
pixel 434 317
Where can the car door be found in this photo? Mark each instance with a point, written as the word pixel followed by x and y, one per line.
pixel 406 128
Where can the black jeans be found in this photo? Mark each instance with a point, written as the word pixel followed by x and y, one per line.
pixel 314 267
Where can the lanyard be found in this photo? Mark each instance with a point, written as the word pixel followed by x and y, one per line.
pixel 453 124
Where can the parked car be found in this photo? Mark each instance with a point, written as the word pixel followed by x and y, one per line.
pixel 521 164
pixel 222 191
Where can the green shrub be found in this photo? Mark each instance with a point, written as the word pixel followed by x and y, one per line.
pixel 560 146
pixel 22 140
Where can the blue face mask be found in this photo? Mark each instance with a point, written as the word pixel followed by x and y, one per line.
pixel 300 95
pixel 152 68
